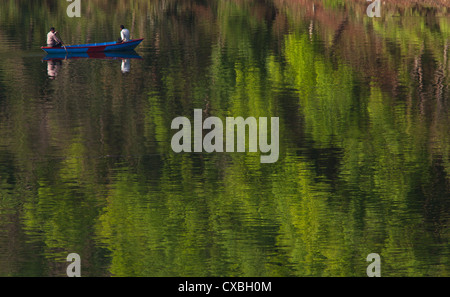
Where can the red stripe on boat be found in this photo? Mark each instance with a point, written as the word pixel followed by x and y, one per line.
pixel 96 49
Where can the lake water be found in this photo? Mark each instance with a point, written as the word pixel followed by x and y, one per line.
pixel 87 167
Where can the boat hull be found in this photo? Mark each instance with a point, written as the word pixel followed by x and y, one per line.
pixel 94 47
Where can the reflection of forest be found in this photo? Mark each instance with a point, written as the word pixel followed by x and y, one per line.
pixel 86 164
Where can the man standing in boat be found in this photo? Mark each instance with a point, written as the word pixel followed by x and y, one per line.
pixel 124 34
pixel 52 40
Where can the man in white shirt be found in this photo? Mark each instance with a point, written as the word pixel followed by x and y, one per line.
pixel 124 34
pixel 52 40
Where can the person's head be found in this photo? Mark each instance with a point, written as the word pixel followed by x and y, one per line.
pixel 122 27
pixel 52 29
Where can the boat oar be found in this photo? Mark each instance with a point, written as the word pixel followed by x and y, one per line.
pixel 62 43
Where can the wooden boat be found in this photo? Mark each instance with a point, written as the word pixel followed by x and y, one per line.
pixel 94 47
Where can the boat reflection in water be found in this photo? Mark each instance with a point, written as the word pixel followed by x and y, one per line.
pixel 55 61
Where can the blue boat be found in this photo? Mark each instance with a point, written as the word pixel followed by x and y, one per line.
pixel 94 47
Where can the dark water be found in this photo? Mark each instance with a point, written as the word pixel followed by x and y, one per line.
pixel 86 164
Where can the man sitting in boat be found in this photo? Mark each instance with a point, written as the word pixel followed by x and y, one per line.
pixel 52 40
pixel 124 34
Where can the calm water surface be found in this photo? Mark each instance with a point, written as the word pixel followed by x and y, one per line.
pixel 86 164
